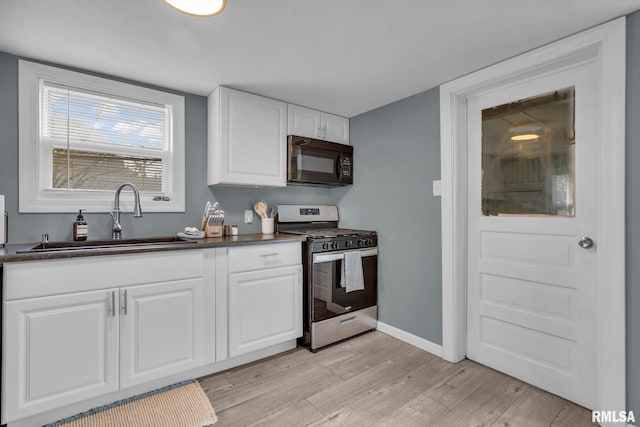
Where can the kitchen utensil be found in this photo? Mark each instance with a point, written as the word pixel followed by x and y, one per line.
pixel 205 215
pixel 274 211
pixel 261 208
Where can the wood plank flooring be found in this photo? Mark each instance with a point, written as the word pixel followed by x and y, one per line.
pixel 377 380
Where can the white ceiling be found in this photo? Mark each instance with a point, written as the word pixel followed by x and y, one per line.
pixel 341 56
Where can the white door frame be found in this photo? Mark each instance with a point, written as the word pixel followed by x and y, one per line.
pixel 606 44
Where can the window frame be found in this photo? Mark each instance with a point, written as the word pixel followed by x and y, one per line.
pixel 34 199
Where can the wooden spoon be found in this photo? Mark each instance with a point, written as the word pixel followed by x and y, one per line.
pixel 261 208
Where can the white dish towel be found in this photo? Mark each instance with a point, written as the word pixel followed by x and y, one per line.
pixel 352 275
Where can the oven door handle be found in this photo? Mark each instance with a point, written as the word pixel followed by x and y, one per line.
pixel 335 256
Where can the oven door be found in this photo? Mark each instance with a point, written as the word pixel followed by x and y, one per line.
pixel 329 297
pixel 315 162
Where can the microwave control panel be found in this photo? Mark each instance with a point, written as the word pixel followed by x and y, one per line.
pixel 346 166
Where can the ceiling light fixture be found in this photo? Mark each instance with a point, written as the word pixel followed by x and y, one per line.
pixel 525 137
pixel 525 132
pixel 203 8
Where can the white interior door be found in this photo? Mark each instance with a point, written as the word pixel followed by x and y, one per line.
pixel 532 194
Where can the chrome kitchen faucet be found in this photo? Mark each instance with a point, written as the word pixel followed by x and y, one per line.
pixel 115 213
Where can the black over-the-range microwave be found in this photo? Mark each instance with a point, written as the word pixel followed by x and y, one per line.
pixel 318 163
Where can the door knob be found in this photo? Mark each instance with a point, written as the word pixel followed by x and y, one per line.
pixel 585 242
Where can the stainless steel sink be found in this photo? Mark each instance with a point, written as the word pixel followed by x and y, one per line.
pixel 89 245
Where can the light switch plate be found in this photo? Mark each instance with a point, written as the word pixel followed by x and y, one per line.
pixel 248 216
pixel 437 188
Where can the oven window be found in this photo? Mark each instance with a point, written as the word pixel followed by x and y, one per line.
pixel 331 299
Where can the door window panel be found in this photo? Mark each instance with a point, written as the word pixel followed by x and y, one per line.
pixel 528 156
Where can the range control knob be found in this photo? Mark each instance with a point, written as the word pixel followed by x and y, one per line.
pixel 348 243
pixel 365 242
pixel 325 246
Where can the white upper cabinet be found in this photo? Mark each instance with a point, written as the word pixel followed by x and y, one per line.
pixel 336 128
pixel 247 139
pixel 304 121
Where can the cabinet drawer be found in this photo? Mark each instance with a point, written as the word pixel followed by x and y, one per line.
pixel 59 276
pixel 270 255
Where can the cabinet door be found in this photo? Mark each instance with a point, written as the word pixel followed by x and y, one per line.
pixel 335 128
pixel 265 308
pixel 162 330
pixel 58 350
pixel 253 139
pixel 303 122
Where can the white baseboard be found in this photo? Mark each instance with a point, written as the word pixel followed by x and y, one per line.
pixel 414 340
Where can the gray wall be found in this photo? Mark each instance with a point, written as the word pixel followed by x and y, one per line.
pixel 397 152
pixel 29 227
pixel 633 212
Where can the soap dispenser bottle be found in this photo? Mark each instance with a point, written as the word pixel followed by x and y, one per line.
pixel 80 228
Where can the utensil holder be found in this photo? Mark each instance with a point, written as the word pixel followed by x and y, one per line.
pixel 267 225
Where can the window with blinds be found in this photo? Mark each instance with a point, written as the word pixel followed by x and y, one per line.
pixel 96 142
pixel 81 136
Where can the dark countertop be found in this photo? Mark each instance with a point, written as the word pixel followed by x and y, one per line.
pixel 9 252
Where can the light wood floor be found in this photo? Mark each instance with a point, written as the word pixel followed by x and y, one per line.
pixel 376 380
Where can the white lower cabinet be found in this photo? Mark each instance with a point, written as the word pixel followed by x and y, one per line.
pixel 71 346
pixel 76 330
pixel 265 308
pixel 161 331
pixel 58 350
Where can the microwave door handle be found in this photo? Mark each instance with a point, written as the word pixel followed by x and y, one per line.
pixel 339 168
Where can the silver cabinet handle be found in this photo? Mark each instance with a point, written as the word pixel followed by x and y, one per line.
pixel 272 254
pixel 585 242
pixel 113 303
pixel 124 302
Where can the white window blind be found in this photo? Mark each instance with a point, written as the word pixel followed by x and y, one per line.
pixel 96 142
pixel 81 136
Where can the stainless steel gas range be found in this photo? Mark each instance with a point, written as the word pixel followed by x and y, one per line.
pixel 340 274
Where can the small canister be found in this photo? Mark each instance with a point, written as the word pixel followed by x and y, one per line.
pixel 234 230
pixel 227 230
